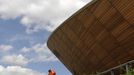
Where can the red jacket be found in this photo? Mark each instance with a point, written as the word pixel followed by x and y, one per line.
pixel 52 73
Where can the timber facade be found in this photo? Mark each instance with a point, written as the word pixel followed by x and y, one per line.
pixel 98 37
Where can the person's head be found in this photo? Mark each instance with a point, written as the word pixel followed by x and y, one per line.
pixel 49 70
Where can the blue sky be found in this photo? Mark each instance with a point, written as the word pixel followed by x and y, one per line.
pixel 25 26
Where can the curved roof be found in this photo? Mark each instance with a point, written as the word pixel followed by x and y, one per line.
pixel 97 37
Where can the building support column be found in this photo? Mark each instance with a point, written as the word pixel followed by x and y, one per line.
pixel 112 73
pixel 127 68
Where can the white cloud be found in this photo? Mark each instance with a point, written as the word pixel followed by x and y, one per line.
pixel 15 60
pixel 42 51
pixel 25 49
pixel 44 54
pixel 39 14
pixel 17 70
pixel 5 48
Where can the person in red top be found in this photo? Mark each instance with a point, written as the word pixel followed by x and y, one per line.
pixel 51 72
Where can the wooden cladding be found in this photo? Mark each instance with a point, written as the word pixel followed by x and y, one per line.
pixel 98 37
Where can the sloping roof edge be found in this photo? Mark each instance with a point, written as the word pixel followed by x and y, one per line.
pixel 77 12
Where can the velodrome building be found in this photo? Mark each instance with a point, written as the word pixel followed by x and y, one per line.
pixel 97 38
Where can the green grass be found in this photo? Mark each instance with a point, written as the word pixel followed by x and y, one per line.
pixel 130 72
